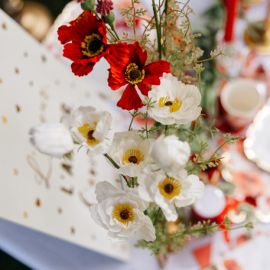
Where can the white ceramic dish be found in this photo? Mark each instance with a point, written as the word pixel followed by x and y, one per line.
pixel 257 143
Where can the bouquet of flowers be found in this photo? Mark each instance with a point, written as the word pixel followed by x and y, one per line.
pixel 156 67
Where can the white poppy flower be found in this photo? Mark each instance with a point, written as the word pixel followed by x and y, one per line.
pixel 174 102
pixel 90 128
pixel 170 154
pixel 130 151
pixel 52 139
pixel 168 192
pixel 121 213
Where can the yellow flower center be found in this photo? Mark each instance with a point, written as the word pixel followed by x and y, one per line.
pixel 92 45
pixel 124 213
pixel 133 74
pixel 87 132
pixel 133 155
pixel 173 105
pixel 170 188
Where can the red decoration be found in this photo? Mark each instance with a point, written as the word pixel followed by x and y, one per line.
pixel 128 67
pixel 84 42
pixel 104 7
pixel 232 12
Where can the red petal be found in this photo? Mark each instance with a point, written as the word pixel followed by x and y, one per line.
pixel 116 79
pixel 155 70
pixel 72 51
pixel 137 55
pixel 118 56
pixel 145 88
pixel 64 34
pixel 85 24
pixel 130 99
pixel 80 69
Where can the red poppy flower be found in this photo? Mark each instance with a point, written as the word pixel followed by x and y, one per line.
pixel 85 42
pixel 128 67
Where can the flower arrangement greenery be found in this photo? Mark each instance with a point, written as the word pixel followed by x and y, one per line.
pixel 157 67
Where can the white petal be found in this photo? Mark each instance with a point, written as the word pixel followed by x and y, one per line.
pixel 147 231
pixel 52 139
pixel 105 190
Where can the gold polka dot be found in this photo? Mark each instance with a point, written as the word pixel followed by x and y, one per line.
pixel 43 58
pixel 93 172
pixel 17 71
pixel 4 26
pixel 72 230
pixel 38 202
pixel 59 210
pixel 25 54
pixel 25 215
pixel 92 182
pixel 15 172
pixel 4 119
pixel 31 83
pixel 18 108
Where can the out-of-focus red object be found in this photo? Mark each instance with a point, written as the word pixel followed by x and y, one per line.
pixel 232 265
pixel 203 255
pixel 232 12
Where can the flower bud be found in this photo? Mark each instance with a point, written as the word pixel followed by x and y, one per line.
pixel 88 5
pixel 52 139
pixel 170 154
pixel 109 19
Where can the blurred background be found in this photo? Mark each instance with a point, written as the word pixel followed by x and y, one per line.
pixel 35 16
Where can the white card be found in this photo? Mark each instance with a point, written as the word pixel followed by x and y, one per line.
pixel 35 88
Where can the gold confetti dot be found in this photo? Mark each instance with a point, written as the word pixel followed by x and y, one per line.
pixel 25 54
pixel 17 71
pixel 1 81
pixel 15 172
pixel 18 108
pixel 4 119
pixel 92 182
pixel 4 26
pixel 25 215
pixel 72 230
pixel 38 202
pixel 60 210
pixel 43 58
pixel 31 83
pixel 93 172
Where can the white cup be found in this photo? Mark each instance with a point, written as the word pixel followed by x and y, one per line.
pixel 241 99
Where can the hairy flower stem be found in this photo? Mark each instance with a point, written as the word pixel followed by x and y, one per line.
pixel 158 28
pixel 134 114
pixel 134 19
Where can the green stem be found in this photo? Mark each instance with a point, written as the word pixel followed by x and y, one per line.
pixel 134 20
pixel 158 28
pixel 114 31
pixel 132 120
pixel 146 123
pixel 115 165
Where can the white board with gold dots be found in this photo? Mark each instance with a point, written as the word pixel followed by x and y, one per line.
pixel 36 191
